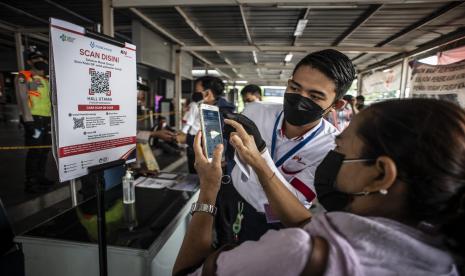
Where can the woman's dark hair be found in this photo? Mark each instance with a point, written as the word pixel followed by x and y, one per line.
pixel 426 140
pixel 215 85
pixel 335 65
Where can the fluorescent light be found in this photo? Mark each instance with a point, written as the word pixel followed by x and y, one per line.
pixel 387 70
pixel 199 73
pixel 319 7
pixel 288 57
pixel 255 57
pixel 299 30
pixel 241 81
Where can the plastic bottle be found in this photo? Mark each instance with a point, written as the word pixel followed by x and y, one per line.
pixel 129 193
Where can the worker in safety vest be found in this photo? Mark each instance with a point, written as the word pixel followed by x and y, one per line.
pixel 33 97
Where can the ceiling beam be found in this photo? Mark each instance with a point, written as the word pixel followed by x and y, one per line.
pixel 429 47
pixel 359 22
pixel 246 26
pixel 307 3
pixel 305 49
pixel 14 29
pixel 59 6
pixel 249 39
pixel 199 32
pixel 167 34
pixel 19 11
pixel 420 23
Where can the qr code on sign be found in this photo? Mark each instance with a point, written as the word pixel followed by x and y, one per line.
pixel 99 82
pixel 78 123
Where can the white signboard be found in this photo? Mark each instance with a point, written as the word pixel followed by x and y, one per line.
pixel 446 82
pixel 382 81
pixel 94 96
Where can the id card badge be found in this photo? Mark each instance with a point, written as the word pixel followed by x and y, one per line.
pixel 270 216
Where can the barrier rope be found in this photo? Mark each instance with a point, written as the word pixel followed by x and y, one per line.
pixel 25 147
pixel 143 117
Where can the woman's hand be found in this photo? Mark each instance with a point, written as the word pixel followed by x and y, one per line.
pixel 210 173
pixel 244 144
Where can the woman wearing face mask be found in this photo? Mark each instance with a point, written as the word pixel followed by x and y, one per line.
pixel 402 179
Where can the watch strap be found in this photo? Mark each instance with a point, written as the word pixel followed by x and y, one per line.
pixel 203 207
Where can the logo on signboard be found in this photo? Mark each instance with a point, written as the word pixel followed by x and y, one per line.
pixel 93 45
pixel 99 82
pixel 67 38
pixel 124 52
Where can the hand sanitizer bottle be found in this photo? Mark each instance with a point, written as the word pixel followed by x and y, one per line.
pixel 129 193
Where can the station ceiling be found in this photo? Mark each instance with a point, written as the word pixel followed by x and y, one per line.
pixel 249 39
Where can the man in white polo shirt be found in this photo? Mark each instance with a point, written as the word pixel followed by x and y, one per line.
pixel 297 139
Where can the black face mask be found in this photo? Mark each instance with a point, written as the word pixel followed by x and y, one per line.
pixel 299 110
pixel 197 96
pixel 325 182
pixel 41 66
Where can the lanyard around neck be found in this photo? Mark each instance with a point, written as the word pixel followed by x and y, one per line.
pixel 295 149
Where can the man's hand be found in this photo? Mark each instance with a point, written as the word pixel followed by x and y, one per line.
pixel 164 134
pixel 244 144
pixel 210 173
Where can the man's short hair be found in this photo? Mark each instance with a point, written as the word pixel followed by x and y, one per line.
pixel 215 84
pixel 335 65
pixel 360 98
pixel 252 89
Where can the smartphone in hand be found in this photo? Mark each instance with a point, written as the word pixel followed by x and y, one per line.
pixel 210 123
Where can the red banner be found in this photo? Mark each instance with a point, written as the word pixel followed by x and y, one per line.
pixel 96 146
pixel 87 107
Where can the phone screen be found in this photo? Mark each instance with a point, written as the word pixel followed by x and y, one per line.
pixel 212 130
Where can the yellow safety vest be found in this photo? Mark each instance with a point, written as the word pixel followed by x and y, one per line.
pixel 38 90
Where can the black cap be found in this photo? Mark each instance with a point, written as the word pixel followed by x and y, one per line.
pixel 35 55
pixel 142 87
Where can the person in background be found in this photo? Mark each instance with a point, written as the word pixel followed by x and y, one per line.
pixel 142 91
pixel 297 138
pixel 341 117
pixel 190 127
pixel 251 93
pixel 360 102
pixel 33 95
pixel 403 184
pixel 212 91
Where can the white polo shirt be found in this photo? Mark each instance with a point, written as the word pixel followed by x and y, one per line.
pixel 190 121
pixel 298 171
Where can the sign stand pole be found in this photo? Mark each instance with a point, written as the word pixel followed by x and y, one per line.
pixel 98 175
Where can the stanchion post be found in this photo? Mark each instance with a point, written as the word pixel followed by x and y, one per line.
pixel 404 77
pixel 73 192
pixel 151 119
pixel 98 176
pixel 178 90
